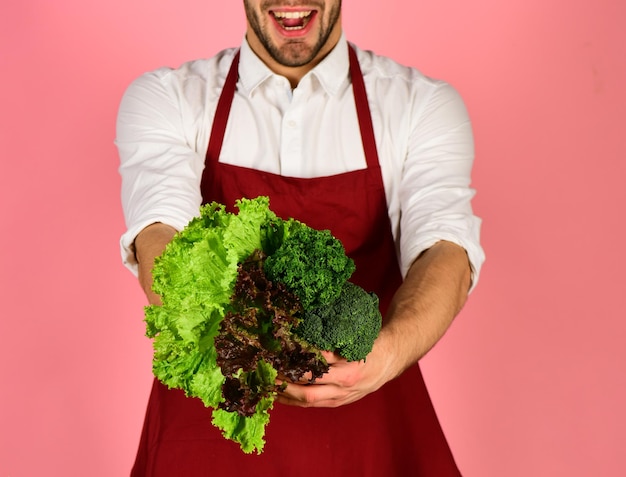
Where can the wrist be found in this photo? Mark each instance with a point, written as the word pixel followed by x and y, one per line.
pixel 391 346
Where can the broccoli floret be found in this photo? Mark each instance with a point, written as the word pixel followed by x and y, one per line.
pixel 348 326
pixel 311 263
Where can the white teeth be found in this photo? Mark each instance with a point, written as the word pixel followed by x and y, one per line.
pixel 292 14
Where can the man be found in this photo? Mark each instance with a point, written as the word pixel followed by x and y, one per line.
pixel 343 140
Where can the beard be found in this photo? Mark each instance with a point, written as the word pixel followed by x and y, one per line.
pixel 295 52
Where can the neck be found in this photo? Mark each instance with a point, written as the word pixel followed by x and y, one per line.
pixel 293 73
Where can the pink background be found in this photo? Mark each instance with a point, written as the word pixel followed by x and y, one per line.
pixel 530 380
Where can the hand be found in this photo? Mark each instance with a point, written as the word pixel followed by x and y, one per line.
pixel 346 381
pixel 150 243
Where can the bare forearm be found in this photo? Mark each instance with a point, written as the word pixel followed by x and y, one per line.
pixel 434 291
pixel 149 244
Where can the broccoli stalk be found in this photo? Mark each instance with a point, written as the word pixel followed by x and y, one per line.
pixel 349 325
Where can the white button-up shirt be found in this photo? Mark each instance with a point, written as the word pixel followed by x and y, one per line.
pixel 423 135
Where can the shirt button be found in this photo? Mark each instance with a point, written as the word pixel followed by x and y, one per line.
pixel 291 123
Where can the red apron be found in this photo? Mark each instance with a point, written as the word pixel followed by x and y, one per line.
pixel 392 432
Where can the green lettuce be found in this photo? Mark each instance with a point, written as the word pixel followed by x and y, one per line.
pixel 194 278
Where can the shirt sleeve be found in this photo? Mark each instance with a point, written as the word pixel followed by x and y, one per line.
pixel 435 192
pixel 160 171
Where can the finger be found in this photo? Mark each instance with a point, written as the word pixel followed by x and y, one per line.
pixel 310 396
pixel 304 379
pixel 315 394
pixel 296 403
pixel 324 396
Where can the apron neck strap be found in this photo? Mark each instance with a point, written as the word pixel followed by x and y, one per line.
pixel 220 119
pixel 363 111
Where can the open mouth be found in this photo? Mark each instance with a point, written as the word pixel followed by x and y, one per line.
pixel 292 20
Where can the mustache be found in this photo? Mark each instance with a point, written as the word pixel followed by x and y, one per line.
pixel 268 4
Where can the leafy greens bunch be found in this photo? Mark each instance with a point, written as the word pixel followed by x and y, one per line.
pixel 245 298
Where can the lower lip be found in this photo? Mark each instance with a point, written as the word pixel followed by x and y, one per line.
pixel 294 33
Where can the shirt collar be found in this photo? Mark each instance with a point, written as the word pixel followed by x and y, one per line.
pixel 252 71
pixel 331 72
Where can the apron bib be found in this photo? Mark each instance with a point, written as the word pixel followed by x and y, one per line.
pixel 391 432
